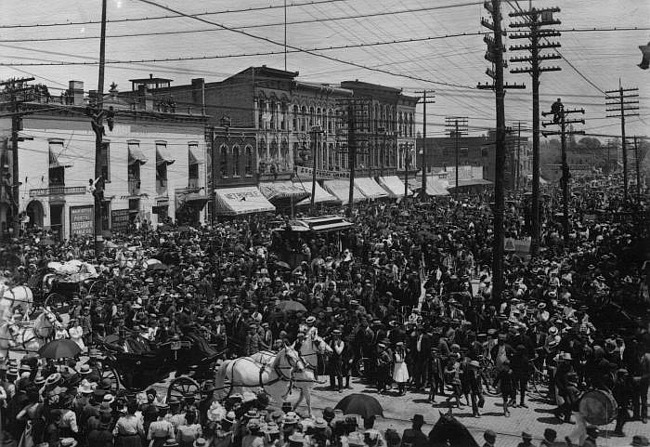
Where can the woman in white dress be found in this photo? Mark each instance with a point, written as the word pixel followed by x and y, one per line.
pixel 400 370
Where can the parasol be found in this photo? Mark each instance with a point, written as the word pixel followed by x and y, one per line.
pixel 159 266
pixel 291 306
pixel 282 265
pixel 59 349
pixel 361 404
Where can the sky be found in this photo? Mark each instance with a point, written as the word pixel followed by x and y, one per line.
pixel 414 45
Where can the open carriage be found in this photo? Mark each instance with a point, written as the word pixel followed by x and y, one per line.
pixel 134 364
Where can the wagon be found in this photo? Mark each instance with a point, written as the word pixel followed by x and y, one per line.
pixel 133 365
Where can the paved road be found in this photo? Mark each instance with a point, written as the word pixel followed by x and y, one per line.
pixel 399 409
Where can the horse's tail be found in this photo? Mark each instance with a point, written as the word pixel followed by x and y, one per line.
pixel 220 379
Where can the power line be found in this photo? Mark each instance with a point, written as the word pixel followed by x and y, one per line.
pixel 268 53
pixel 143 19
pixel 259 25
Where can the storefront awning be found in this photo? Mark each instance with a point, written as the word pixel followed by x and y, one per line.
pixel 60 160
pixel 393 185
pixel 436 187
pixel 278 191
pixel 163 155
pixel 340 189
pixel 196 157
pixel 321 195
pixel 136 155
pixel 370 188
pixel 469 182
pixel 243 200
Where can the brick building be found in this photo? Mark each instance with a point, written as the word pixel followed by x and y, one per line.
pixel 480 151
pixel 153 163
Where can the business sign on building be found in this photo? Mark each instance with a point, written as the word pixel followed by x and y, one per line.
pixel 82 220
pixel 120 221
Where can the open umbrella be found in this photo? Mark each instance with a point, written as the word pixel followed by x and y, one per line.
pixel 282 265
pixel 362 404
pixel 291 306
pixel 159 266
pixel 59 349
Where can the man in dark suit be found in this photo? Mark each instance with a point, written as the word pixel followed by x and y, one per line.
pixel 422 356
pixel 413 437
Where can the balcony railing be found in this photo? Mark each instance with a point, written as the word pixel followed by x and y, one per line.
pixel 57 191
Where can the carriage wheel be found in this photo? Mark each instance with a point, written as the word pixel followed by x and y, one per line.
pixel 183 388
pixel 109 374
pixel 97 287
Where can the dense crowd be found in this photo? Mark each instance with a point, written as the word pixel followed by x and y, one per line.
pixel 403 299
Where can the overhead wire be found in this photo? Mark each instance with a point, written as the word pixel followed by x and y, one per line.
pixel 243 27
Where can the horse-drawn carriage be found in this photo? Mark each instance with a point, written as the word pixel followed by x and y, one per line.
pixel 134 364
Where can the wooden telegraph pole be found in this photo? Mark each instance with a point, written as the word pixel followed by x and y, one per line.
pixel 622 103
pixel 560 120
pixel 535 19
pixel 423 191
pixel 494 54
pixel 98 128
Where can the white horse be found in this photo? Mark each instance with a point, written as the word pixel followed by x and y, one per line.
pixel 305 380
pixel 273 376
pixel 14 298
pixel 15 337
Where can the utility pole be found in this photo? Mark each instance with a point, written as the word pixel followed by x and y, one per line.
pixel 638 171
pixel 517 167
pixel 457 127
pixel 315 131
pixel 560 113
pixel 14 87
pixel 535 19
pixel 98 128
pixel 494 54
pixel 352 153
pixel 423 192
pixel 407 162
pixel 622 102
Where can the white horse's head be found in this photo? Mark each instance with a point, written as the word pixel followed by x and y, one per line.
pixel 292 357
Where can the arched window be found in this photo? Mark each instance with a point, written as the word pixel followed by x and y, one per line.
pixel 248 169
pixel 303 121
pixel 235 161
pixel 311 117
pixel 223 159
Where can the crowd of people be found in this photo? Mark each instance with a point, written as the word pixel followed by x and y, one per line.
pixel 403 299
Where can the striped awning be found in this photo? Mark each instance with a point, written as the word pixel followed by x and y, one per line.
pixel 136 155
pixel 341 188
pixel 321 195
pixel 163 155
pixel 275 191
pixel 242 200
pixel 370 188
pixel 393 185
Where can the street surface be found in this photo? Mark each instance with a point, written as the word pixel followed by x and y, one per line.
pixel 538 416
